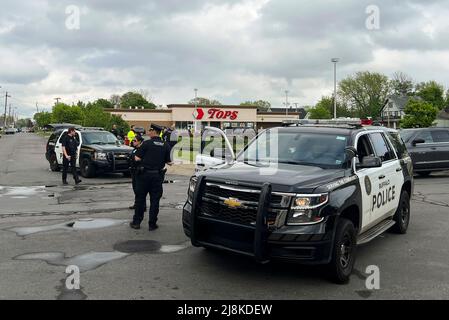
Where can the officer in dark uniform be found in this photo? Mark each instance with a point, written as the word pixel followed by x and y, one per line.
pixel 70 150
pixel 134 166
pixel 153 154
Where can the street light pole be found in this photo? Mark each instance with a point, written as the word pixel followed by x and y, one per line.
pixel 196 107
pixel 335 60
pixel 286 102
pixel 6 103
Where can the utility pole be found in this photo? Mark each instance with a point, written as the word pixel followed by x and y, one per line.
pixel 37 108
pixel 334 61
pixel 57 100
pixel 286 102
pixel 9 112
pixel 6 103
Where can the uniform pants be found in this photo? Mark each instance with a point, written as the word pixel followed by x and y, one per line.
pixel 148 183
pixel 65 167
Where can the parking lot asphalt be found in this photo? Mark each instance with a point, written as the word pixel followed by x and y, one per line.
pixel 44 227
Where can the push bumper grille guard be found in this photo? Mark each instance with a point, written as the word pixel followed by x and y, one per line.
pixel 261 227
pixel 111 159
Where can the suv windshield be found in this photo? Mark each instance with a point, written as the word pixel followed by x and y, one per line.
pixel 302 148
pixel 103 137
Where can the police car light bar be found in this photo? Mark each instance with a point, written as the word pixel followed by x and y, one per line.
pixel 338 121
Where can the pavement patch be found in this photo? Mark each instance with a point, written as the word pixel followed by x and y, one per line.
pixel 80 224
pixel 23 192
pixel 148 246
pixel 85 262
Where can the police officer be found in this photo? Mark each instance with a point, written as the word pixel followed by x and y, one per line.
pixel 70 149
pixel 134 166
pixel 153 155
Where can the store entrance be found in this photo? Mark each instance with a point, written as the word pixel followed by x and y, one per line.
pixel 215 124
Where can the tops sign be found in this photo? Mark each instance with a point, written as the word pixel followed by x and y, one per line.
pixel 215 113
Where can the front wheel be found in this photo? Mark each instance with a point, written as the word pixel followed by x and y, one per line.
pixel 54 166
pixel 343 253
pixel 87 168
pixel 402 215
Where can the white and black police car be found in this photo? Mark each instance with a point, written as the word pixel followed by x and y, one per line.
pixel 303 193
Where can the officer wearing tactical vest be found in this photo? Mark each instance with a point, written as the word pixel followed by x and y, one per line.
pixel 153 154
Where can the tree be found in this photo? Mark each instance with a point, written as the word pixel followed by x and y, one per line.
pixel 43 118
pixel 418 114
pixel 402 84
pixel 366 92
pixel 431 92
pixel 319 112
pixel 24 123
pixel 115 99
pixel 95 116
pixel 204 102
pixel 134 99
pixel 63 113
pixel 261 104
pixel 103 103
pixel 327 102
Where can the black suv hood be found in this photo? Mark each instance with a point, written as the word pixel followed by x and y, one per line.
pixel 286 178
pixel 109 148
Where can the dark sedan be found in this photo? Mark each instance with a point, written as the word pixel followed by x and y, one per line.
pixel 428 148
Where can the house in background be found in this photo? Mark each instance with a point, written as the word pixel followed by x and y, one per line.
pixel 443 118
pixel 393 110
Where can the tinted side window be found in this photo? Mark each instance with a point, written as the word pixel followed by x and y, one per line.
pixel 426 136
pixel 382 148
pixel 53 138
pixel 399 145
pixel 440 135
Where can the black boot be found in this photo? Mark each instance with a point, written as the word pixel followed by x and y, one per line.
pixel 78 181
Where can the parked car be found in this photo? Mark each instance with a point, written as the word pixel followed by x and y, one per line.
pixel 99 152
pixel 428 148
pixel 10 131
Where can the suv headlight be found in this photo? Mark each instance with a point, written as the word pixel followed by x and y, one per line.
pixel 192 185
pixel 303 208
pixel 100 156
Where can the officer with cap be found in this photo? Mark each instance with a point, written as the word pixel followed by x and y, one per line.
pixel 153 155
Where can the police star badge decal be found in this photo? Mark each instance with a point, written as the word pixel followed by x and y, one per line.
pixel 367 185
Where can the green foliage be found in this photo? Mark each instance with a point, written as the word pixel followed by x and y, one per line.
pixel 63 113
pixel 319 112
pixel 134 99
pixel 24 123
pixel 261 104
pixel 327 102
pixel 366 92
pixel 95 116
pixel 418 114
pixel 204 102
pixel 43 118
pixel 105 104
pixel 431 92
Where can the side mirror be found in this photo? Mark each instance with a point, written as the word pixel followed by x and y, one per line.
pixel 219 153
pixel 370 162
pixel 351 153
pixel 418 141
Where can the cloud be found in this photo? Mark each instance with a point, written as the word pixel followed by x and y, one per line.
pixel 231 50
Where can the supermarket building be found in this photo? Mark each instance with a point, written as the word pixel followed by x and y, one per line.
pixel 184 116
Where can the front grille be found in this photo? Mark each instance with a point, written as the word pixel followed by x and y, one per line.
pixel 245 212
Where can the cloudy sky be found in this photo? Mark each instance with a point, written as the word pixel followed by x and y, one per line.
pixel 230 50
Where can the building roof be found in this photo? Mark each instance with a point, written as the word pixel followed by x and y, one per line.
pixel 443 114
pixel 399 100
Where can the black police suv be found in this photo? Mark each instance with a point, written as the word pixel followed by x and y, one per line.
pixel 308 194
pixel 429 149
pixel 99 152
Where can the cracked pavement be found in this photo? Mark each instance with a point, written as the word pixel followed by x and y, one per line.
pixel 44 226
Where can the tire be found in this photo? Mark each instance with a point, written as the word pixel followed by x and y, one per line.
pixel 343 258
pixel 402 214
pixel 54 166
pixel 424 173
pixel 87 169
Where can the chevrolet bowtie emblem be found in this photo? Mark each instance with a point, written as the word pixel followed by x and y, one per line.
pixel 233 203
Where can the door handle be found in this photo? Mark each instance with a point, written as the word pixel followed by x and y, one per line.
pixel 398 169
pixel 433 148
pixel 381 177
